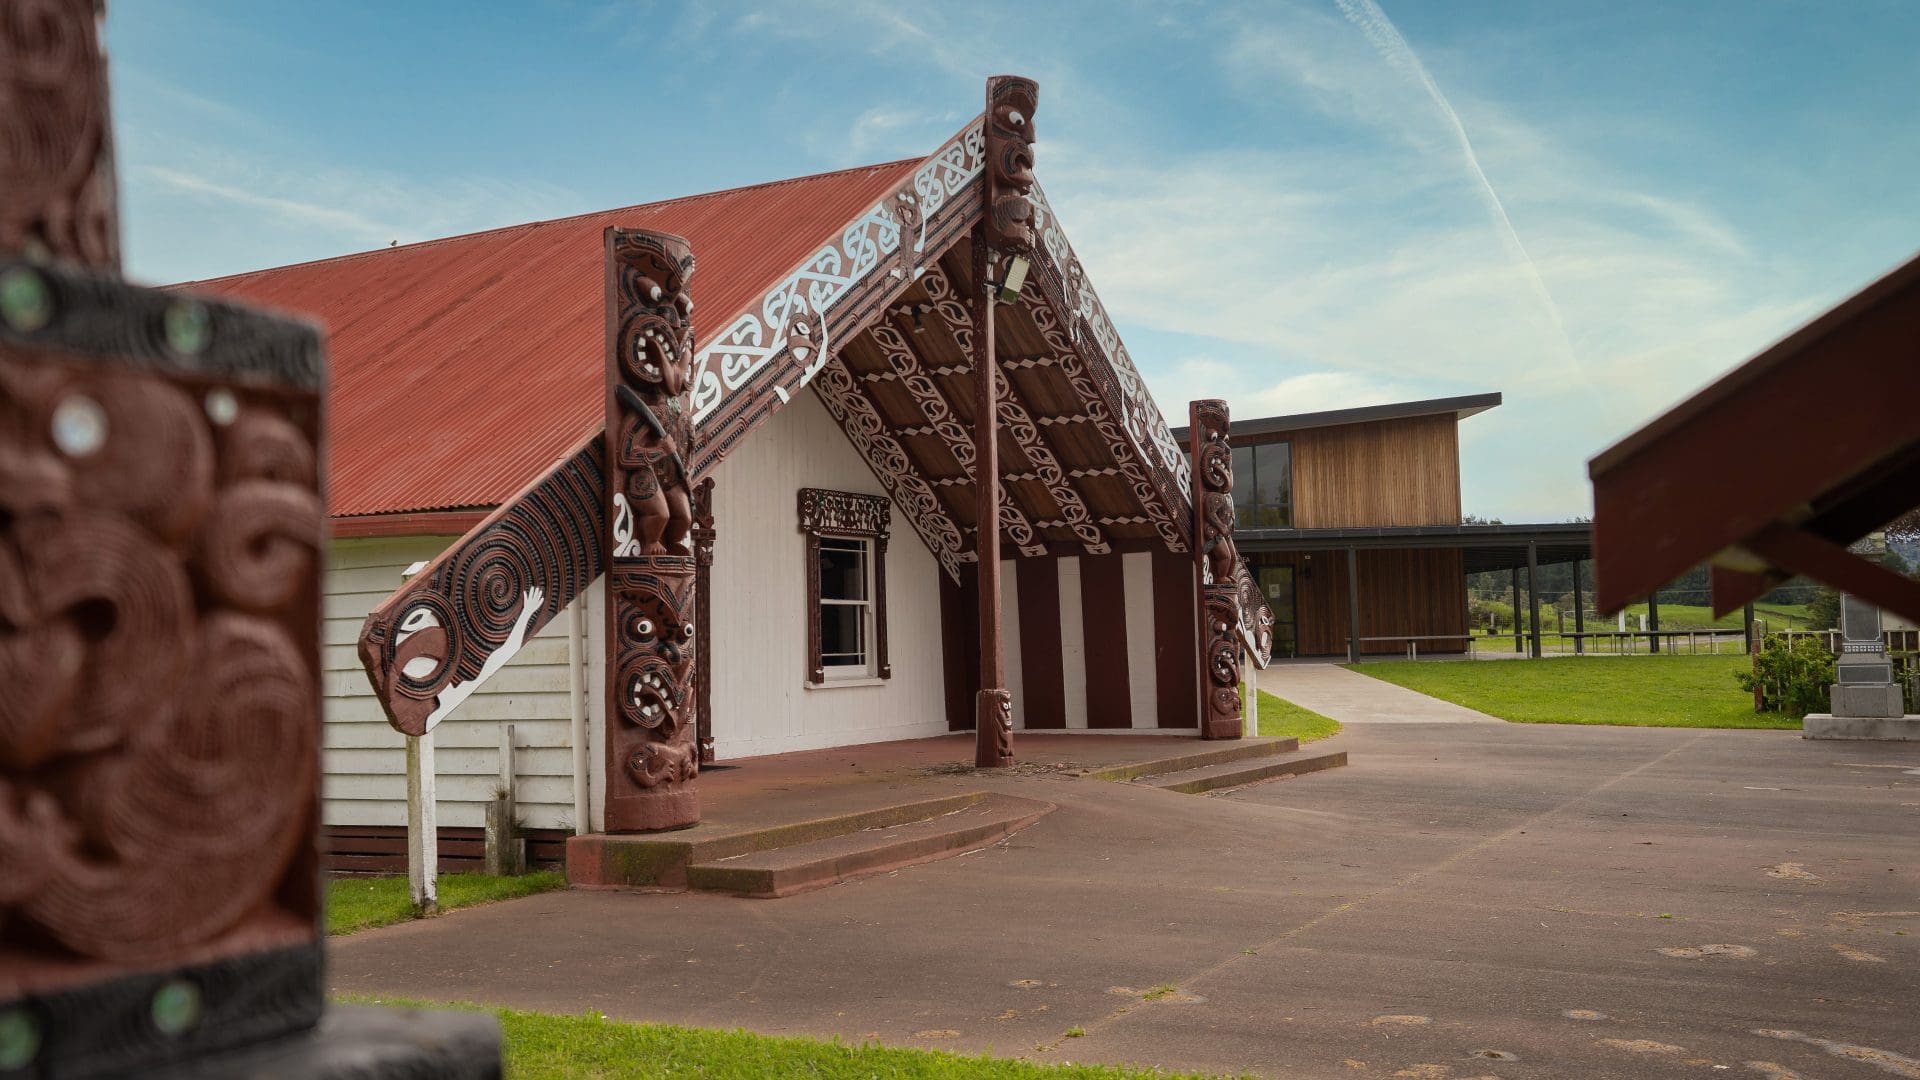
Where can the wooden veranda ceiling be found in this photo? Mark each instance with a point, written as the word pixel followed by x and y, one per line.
pixel 904 391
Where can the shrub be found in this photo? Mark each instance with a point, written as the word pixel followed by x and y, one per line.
pixel 1792 679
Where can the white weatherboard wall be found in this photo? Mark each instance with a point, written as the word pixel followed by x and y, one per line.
pixel 364 760
pixel 761 703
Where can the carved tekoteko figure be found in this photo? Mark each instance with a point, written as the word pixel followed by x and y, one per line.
pixel 1217 571
pixel 1011 101
pixel 652 757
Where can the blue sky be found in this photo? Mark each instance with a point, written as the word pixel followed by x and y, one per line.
pixel 1594 209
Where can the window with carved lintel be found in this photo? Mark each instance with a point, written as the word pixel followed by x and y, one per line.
pixel 846 553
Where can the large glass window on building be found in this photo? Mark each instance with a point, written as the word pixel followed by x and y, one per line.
pixel 1263 485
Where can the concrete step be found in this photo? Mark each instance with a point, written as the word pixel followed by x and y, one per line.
pixel 819 863
pixel 1234 774
pixel 1238 750
pixel 661 859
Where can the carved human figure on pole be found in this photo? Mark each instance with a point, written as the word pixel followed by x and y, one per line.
pixel 1011 102
pixel 652 755
pixel 1217 571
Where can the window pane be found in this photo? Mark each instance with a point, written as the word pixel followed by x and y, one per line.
pixel 1243 508
pixel 843 569
pixel 843 637
pixel 1273 490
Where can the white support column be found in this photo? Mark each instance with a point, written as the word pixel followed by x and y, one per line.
pixel 423 830
pixel 577 728
pixel 423 822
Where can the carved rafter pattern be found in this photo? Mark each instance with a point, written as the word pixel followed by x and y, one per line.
pixel 1029 363
pixel 889 461
pixel 939 413
pixel 1130 466
pixel 1016 420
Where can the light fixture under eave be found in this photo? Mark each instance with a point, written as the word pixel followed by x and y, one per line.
pixel 1015 280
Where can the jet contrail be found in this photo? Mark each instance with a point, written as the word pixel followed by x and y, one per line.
pixel 1379 29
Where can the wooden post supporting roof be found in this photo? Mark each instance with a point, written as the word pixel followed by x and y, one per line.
pixel 1006 230
pixel 1790 506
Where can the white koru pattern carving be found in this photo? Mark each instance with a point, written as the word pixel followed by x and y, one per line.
pixel 759 335
pixel 1013 414
pixel 1130 467
pixel 941 421
pixel 888 459
pixel 1140 416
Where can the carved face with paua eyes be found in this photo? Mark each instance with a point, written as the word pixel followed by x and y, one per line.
pixel 656 338
pixel 1009 144
pixel 655 649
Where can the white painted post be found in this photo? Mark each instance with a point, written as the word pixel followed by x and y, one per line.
pixel 1250 705
pixel 577 729
pixel 423 851
pixel 423 826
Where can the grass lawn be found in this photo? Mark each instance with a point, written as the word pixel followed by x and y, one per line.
pixel 1280 717
pixel 546 1047
pixel 1631 691
pixel 359 903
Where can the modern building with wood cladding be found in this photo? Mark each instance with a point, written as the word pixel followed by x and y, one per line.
pixel 1351 522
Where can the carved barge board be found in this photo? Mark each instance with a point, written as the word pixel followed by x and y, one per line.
pixel 433 642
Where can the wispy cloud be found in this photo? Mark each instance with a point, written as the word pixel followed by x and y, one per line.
pixel 350 226
pixel 1386 38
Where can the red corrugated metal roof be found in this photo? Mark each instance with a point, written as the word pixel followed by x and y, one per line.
pixel 462 368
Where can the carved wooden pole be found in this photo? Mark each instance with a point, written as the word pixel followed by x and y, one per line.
pixel 1005 230
pixel 161 536
pixel 1216 566
pixel 703 537
pixel 652 758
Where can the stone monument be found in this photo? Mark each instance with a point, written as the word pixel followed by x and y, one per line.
pixel 1867 702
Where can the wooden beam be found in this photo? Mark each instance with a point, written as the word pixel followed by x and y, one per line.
pixel 1816 557
pixel 1533 597
pixel 993 706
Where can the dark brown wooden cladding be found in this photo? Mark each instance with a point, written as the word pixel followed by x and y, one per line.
pixel 1401 592
pixel 348 850
pixel 1391 472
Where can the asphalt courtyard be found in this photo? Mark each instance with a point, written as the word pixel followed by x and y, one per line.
pixel 1463 900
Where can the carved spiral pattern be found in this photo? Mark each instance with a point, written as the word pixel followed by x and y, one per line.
pixel 158 634
pixel 465 605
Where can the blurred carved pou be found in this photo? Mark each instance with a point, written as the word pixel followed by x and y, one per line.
pixel 1011 101
pixel 160 536
pixel 652 756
